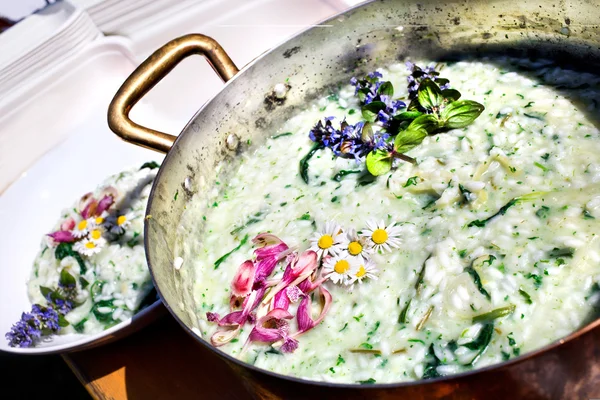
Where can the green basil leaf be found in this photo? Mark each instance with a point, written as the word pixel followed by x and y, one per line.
pixel 451 95
pixel 386 89
pixel 407 115
pixel 369 111
pixel 461 113
pixel 66 279
pixel 429 94
pixel 379 162
pixel 427 122
pixel 150 165
pixel 409 139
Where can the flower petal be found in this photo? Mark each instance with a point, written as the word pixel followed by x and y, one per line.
pixel 304 314
pixel 62 236
pixel 68 224
pixel 244 279
pixel 104 204
pixel 260 333
pixel 221 337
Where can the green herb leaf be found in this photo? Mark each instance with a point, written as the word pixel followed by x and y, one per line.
pixel 45 291
pixel 340 175
pixel 409 139
pixel 407 115
pixel 369 111
pixel 482 342
pixel 366 134
pixel 461 113
pixel 379 162
pixel 494 314
pixel 281 135
pixel 430 370
pixel 366 345
pixel 306 158
pixel 80 326
pixel 340 360
pixel 427 122
pixel 226 255
pixel 543 212
pixel 150 165
pixel 429 94
pixel 386 89
pixel 104 317
pixel 256 217
pixel 66 279
pixel 402 318
pixel 450 94
pixel 471 271
pixel 526 296
pixel 369 381
pixel 412 181
pixel 62 322
pixel 66 250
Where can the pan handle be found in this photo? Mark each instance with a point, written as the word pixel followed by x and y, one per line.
pixel 149 73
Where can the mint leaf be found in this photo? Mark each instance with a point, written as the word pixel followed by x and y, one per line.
pixel 429 94
pixel 409 139
pixel 407 115
pixel 369 111
pixel 386 89
pixel 461 113
pixel 66 279
pixel 428 122
pixel 379 162
pixel 450 94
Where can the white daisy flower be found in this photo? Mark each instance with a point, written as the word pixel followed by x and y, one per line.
pixel 339 268
pixel 122 222
pixel 329 240
pixel 362 271
pixel 97 221
pixel 382 237
pixel 356 246
pixel 95 235
pixel 88 247
pixel 81 229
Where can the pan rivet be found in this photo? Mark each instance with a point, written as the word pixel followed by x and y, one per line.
pixel 232 142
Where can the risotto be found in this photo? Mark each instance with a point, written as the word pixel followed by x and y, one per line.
pixel 472 247
pixel 91 272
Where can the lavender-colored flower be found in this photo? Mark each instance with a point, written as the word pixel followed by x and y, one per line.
pixel 29 329
pixel 368 89
pixel 418 74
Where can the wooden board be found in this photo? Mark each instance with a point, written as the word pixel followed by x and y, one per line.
pixel 159 362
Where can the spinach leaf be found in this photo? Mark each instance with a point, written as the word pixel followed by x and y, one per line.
pixel 306 159
pixel 430 370
pixel 226 255
pixel 66 250
pixel 482 342
pixel 471 271
pixel 256 217
pixel 343 173
pixel 481 223
pixel 494 314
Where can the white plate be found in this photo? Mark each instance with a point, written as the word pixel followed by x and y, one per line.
pixel 30 207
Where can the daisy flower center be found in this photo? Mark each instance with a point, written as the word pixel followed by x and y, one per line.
pixel 355 248
pixel 121 220
pixel 90 245
pixel 379 236
pixel 361 272
pixel 96 234
pixel 99 220
pixel 82 225
pixel 325 241
pixel 341 266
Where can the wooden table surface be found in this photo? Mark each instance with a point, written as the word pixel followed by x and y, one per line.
pixel 159 362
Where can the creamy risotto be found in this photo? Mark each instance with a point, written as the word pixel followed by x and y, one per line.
pixel 94 259
pixel 492 246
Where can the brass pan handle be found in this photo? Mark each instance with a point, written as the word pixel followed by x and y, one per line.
pixel 149 73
